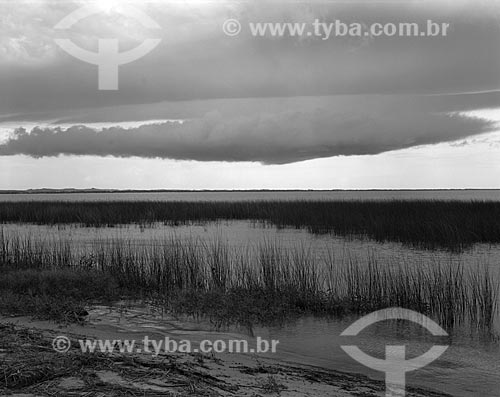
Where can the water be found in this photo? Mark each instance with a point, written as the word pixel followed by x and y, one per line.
pixel 467 368
pixel 470 367
pixel 242 235
pixel 463 195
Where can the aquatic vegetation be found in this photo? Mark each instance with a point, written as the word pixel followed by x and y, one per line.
pixel 453 225
pixel 260 284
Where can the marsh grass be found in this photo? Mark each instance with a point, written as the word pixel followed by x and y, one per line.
pixel 453 225
pixel 56 294
pixel 260 284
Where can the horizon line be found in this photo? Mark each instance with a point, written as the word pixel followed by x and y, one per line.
pixel 105 190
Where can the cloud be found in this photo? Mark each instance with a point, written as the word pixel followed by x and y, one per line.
pixel 197 61
pixel 275 137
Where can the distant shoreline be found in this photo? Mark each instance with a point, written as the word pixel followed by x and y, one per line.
pixel 89 191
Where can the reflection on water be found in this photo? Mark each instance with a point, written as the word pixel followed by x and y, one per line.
pixel 471 366
pixel 241 234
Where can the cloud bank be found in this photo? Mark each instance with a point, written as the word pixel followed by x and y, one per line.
pixel 277 137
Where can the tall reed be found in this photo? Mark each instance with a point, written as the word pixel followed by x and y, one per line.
pixel 454 225
pixel 296 280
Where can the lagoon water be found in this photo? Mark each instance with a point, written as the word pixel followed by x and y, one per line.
pixel 463 195
pixel 470 366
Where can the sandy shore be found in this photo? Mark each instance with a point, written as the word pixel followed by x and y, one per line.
pixel 30 366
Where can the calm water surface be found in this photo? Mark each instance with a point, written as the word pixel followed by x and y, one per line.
pixel 464 195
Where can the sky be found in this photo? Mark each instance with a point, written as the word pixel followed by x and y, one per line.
pixel 204 110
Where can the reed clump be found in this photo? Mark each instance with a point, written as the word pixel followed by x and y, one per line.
pixel 453 225
pixel 261 283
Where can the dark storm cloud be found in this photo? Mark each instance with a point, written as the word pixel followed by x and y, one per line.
pixel 196 60
pixel 272 138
